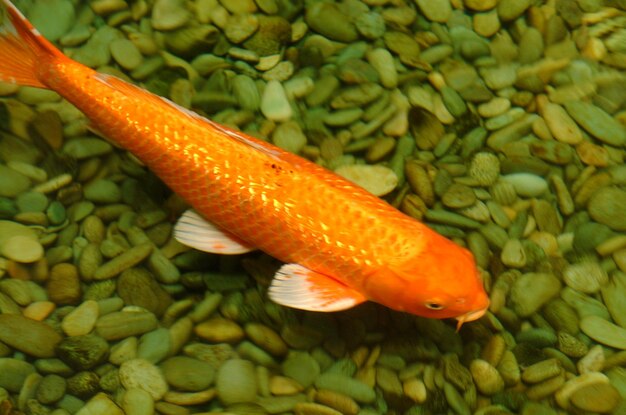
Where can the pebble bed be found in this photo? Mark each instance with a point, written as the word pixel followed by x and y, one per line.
pixel 500 123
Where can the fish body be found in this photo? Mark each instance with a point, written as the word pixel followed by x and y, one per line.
pixel 341 245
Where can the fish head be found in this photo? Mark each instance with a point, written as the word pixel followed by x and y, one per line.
pixel 438 281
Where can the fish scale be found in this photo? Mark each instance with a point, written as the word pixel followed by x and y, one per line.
pixel 341 244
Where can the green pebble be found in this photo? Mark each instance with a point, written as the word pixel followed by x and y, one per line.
pixel 103 191
pixel 301 367
pixel 13 373
pixel 8 208
pixel 538 337
pixel 58 254
pixel 353 388
pixel 50 389
pixel 453 101
pixel 56 213
pixel 188 374
pixel 12 183
pixel 236 382
pixel 31 202
pixel 597 122
pixel 155 345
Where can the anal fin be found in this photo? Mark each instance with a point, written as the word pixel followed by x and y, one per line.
pixel 195 231
pixel 299 287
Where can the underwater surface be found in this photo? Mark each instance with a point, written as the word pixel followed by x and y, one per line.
pixel 499 123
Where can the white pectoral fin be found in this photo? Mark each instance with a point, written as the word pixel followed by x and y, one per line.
pixel 195 231
pixel 299 287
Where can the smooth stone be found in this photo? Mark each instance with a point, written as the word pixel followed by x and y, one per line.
pixel 139 373
pixel 289 137
pixel 52 18
pixel 103 191
pixel 531 291
pixel 266 338
pixel 64 285
pixel 597 122
pixel 607 207
pixel 435 10
pixel 275 105
pixel 122 324
pixel 302 367
pixel 613 296
pixel 219 330
pixel 480 5
pixel 486 24
pixel 155 345
pixel 169 14
pixel 586 277
pixel 13 373
pixel 32 337
pixel 561 125
pixel 236 382
pixel 376 179
pixel 136 401
pixel 83 148
pixel 604 332
pixel 32 202
pixel 328 20
pixel 96 53
pixel 357 390
pixel 187 374
pixel 126 53
pixel 526 184
pixel 597 397
pixel 21 248
pixel 370 25
pixel 82 319
pixel 511 9
pixel 100 404
pixel 50 389
pixel 12 183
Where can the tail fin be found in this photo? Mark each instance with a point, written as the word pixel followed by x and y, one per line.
pixel 22 48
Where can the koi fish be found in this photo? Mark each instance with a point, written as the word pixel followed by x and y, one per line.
pixel 341 245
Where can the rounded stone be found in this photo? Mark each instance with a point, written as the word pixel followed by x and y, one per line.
pixel 51 389
pixel 126 53
pixel 531 291
pixel 13 373
pixel 487 379
pixel 220 330
pixel 274 103
pixel 32 337
pixel 22 248
pixel 136 286
pixel 64 284
pixel 435 10
pixel 236 382
pixel 607 207
pixel 302 367
pixel 376 179
pixel 139 373
pixel 83 352
pixel 596 397
pixel 12 183
pixel 187 374
pixel 103 191
pixel 266 338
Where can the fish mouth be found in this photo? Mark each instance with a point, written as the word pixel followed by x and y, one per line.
pixel 470 316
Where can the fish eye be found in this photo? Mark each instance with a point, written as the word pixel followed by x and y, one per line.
pixel 434 306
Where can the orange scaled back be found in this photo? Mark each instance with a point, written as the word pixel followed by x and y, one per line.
pixel 347 242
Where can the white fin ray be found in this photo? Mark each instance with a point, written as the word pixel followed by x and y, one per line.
pixel 299 287
pixel 195 231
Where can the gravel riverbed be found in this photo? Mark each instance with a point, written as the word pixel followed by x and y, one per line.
pixel 500 123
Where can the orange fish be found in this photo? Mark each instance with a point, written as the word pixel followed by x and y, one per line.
pixel 340 244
